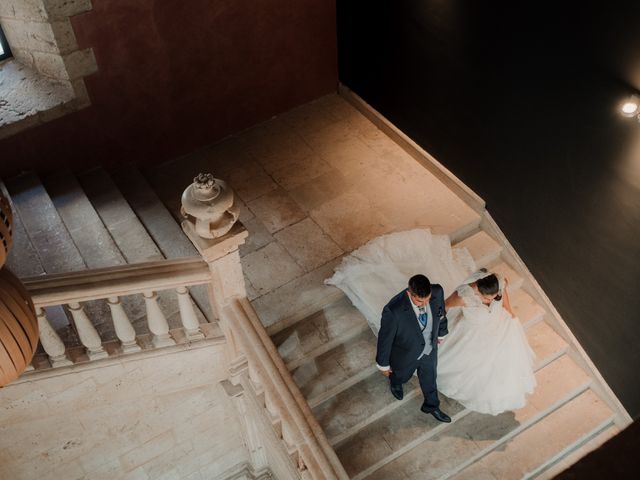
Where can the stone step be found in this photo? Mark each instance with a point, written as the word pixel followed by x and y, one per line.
pixel 42 243
pixel 23 259
pixel 319 333
pixel 526 308
pixel 129 234
pixel 160 225
pixel 408 434
pixel 546 344
pixel 503 270
pixel 301 297
pixel 484 249
pixel 346 413
pixel 335 370
pixel 127 231
pixel 352 409
pixel 583 447
pixel 82 221
pixel 541 441
pixel 97 247
pixel 45 228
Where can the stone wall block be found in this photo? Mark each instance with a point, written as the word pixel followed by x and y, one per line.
pixel 80 63
pixel 66 8
pixel 81 94
pixel 23 9
pixel 64 36
pixel 34 36
pixel 25 57
pixel 50 65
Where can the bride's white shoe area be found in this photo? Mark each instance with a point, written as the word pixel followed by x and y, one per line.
pixel 330 353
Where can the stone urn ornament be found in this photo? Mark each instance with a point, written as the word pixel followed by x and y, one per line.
pixel 208 204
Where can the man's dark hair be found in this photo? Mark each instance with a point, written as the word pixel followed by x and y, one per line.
pixel 488 285
pixel 420 286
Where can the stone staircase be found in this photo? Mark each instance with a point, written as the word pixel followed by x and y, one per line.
pixel 331 352
pixel 65 223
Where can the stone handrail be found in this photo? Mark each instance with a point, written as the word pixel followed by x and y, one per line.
pixel 85 285
pixel 139 285
pixel 282 396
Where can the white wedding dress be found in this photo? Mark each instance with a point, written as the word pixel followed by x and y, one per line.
pixel 485 362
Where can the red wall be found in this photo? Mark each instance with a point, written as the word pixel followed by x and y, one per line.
pixel 175 75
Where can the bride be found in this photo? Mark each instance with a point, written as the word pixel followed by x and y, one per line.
pixel 485 362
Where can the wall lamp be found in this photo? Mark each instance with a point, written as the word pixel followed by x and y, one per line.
pixel 631 107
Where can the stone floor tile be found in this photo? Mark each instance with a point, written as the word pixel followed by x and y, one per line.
pixel 308 118
pixel 348 155
pixel 308 244
pixel 337 107
pixel 351 220
pixel 300 172
pixel 319 190
pixel 258 237
pixel 274 144
pixel 298 298
pixel 270 267
pixel 250 181
pixel 335 133
pixel 276 210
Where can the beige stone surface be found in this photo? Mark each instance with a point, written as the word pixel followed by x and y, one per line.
pixel 270 267
pixel 309 254
pixel 297 299
pixel 276 210
pixel 351 220
pixel 544 439
pixel 147 417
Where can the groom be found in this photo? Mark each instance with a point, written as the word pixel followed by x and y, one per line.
pixel 412 325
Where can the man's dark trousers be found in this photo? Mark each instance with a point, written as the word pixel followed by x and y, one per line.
pixel 427 367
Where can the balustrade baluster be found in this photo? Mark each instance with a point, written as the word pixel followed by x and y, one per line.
pixel 188 315
pixel 157 321
pixel 288 437
pixel 122 325
pixel 87 332
pixel 50 341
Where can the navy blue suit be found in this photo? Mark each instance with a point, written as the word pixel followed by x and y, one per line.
pixel 400 343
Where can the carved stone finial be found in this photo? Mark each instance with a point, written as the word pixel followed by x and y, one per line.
pixel 208 204
pixel 205 187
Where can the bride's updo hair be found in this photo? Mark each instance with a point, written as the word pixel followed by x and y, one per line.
pixel 420 286
pixel 488 285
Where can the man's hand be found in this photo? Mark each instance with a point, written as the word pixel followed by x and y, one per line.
pixel 386 373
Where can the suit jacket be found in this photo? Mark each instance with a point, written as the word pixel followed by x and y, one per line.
pixel 400 340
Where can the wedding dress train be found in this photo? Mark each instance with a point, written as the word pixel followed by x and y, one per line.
pixel 485 362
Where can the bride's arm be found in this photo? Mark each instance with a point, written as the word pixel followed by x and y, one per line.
pixel 453 300
pixel 506 304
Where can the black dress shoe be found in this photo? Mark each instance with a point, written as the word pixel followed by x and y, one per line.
pixel 396 391
pixel 437 414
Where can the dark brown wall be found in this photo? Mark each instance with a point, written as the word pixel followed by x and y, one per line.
pixel 175 75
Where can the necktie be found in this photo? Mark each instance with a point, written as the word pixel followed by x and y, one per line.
pixel 422 317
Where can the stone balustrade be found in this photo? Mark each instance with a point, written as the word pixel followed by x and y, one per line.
pixel 254 363
pixel 78 293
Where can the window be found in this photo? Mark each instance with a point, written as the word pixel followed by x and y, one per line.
pixel 4 46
